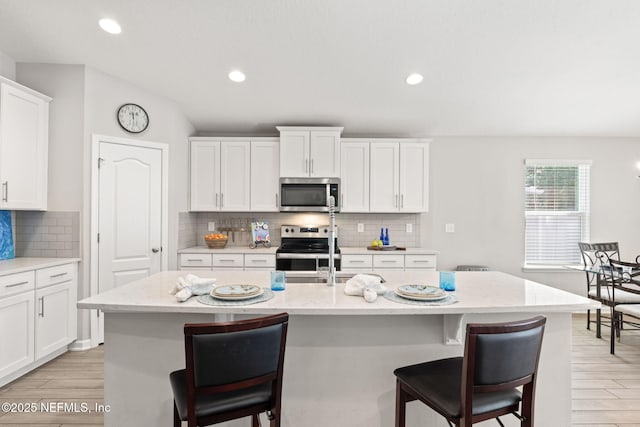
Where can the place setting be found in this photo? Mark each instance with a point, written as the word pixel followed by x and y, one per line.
pixel 420 294
pixel 229 295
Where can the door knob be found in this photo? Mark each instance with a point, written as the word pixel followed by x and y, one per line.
pixel 155 250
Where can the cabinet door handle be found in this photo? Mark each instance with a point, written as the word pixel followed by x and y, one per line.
pixel 41 314
pixel 155 250
pixel 216 200
pixel 306 166
pixel 311 165
pixel 5 191
pixel 402 200
pixel 221 200
pixel 277 200
pixel 16 284
pixel 342 200
pixel 395 204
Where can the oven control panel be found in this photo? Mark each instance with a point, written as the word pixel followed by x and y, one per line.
pixel 310 231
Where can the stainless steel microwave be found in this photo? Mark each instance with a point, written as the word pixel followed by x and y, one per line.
pixel 308 194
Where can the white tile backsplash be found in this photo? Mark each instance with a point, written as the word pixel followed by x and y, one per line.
pixel 192 226
pixel 47 234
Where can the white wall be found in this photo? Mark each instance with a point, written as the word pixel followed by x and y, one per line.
pixel 66 85
pixel 85 103
pixel 104 95
pixel 7 66
pixel 477 184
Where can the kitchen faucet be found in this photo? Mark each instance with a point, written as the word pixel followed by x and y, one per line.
pixel 331 275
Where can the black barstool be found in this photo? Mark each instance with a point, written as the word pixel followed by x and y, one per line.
pixel 498 358
pixel 233 370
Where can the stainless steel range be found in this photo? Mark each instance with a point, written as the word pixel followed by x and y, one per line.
pixel 305 248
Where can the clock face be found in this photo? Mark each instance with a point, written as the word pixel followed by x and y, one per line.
pixel 133 118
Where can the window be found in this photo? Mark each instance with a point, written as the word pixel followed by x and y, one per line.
pixel 556 211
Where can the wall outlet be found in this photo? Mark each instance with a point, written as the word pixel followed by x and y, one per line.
pixel 360 228
pixel 409 228
pixel 450 228
pixel 211 226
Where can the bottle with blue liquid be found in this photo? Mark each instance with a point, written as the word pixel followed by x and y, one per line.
pixel 385 240
pixel 382 235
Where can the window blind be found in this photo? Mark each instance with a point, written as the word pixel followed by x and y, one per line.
pixel 556 198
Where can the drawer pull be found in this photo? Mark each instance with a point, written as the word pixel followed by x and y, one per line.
pixel 356 260
pixel 388 260
pixel 227 260
pixel 57 275
pixel 16 284
pixel 421 260
pixel 258 260
pixel 194 260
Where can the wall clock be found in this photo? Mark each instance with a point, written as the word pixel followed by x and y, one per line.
pixel 132 118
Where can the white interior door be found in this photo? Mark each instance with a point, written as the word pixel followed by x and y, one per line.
pixel 129 214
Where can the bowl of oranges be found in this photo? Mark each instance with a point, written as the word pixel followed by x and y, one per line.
pixel 216 240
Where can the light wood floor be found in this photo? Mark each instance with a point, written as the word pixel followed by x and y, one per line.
pixel 73 378
pixel 606 389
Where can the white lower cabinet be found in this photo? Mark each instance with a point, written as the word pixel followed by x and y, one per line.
pixel 55 318
pixel 227 261
pixel 382 262
pixel 420 262
pixel 255 262
pixel 37 317
pixel 17 332
pixel 365 262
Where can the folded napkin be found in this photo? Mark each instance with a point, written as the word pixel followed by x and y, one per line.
pixel 190 285
pixel 358 283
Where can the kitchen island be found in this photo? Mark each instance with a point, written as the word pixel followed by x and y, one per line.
pixel 341 350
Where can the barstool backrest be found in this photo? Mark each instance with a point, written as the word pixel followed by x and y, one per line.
pixel 501 356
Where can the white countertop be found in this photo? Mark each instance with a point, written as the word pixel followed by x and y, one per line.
pixel 478 292
pixel 361 251
pixel 20 264
pixel 345 250
pixel 228 250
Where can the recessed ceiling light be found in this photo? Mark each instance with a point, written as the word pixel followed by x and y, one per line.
pixel 414 79
pixel 237 76
pixel 110 26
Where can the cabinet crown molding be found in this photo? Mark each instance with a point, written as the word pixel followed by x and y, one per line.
pixel 310 128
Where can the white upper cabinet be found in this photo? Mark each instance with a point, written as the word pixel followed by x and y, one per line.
pixel 220 179
pixel 414 177
pixel 24 133
pixel 205 175
pixel 354 175
pixel 399 176
pixel 235 178
pixel 265 160
pixel 309 151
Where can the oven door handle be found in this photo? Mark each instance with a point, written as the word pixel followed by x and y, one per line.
pixel 306 256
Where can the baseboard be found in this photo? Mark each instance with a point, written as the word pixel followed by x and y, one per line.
pixel 80 345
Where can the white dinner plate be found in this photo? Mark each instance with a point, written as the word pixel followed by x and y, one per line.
pixel 236 291
pixel 237 297
pixel 421 291
pixel 421 297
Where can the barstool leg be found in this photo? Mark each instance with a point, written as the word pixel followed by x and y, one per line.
pixel 255 420
pixel 588 319
pixel 176 417
pixel 401 405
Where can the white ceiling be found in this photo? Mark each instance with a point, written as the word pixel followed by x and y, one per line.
pixel 491 67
